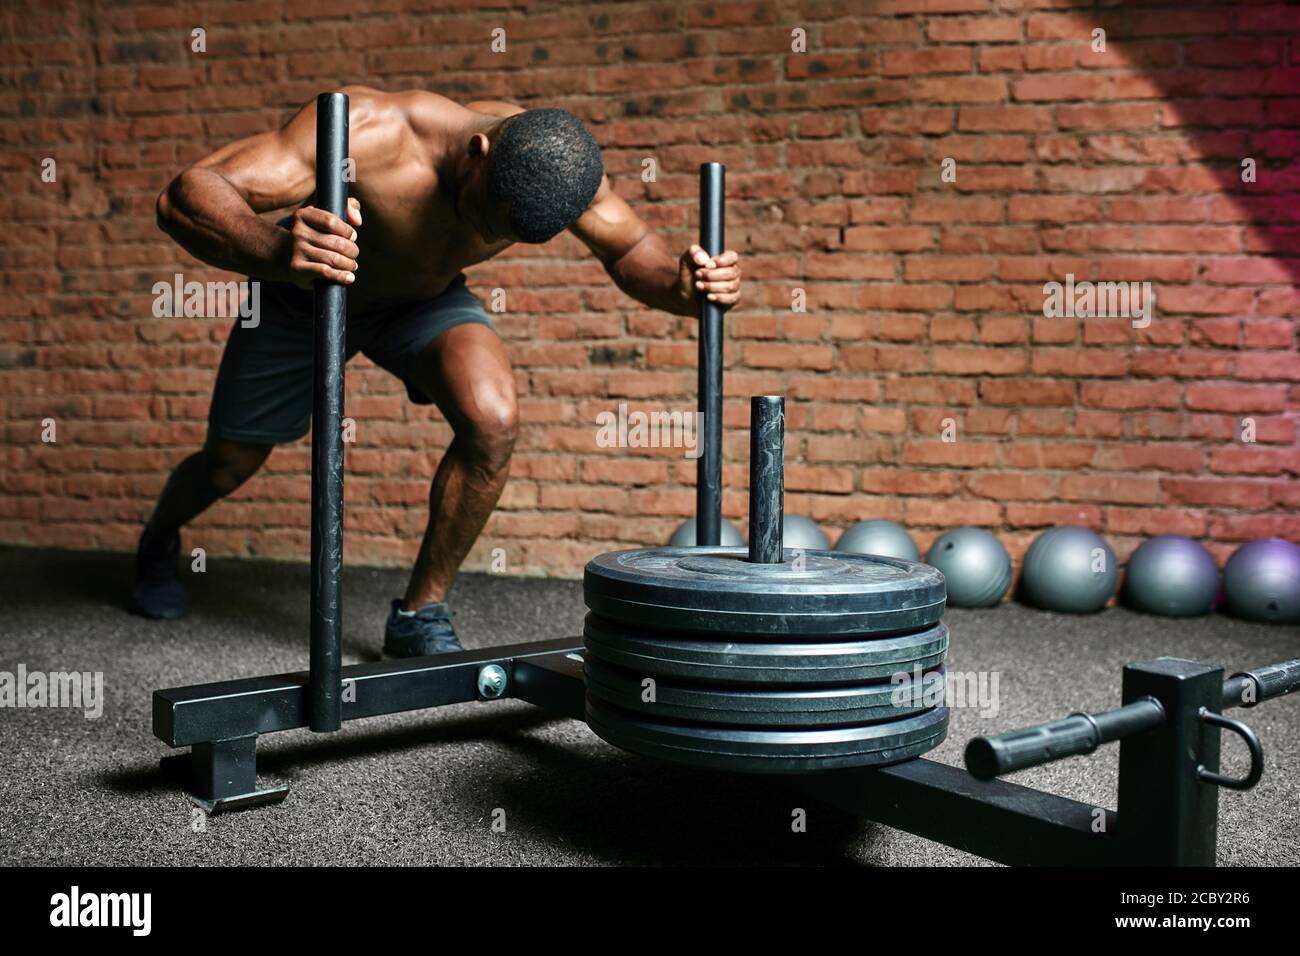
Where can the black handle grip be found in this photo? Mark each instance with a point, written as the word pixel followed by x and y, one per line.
pixel 989 757
pixel 1248 688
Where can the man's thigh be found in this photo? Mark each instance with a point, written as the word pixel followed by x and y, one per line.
pixel 263 391
pixel 447 352
pixel 468 374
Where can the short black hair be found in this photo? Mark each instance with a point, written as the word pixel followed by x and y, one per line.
pixel 546 165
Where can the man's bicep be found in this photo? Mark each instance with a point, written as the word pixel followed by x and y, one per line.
pixel 271 170
pixel 609 227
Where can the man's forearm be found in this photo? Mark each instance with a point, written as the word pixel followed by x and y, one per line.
pixel 211 221
pixel 650 273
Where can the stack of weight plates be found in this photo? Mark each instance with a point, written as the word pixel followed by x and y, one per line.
pixel 824 661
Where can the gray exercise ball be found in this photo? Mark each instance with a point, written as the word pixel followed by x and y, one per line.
pixel 975 566
pixel 1070 569
pixel 803 533
pixel 1171 575
pixel 879 537
pixel 1262 581
pixel 684 536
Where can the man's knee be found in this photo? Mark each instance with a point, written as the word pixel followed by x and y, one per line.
pixel 232 463
pixel 491 431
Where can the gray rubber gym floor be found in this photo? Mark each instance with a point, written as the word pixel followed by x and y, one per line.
pixel 421 788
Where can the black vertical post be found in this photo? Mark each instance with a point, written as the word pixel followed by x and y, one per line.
pixel 708 480
pixel 1167 816
pixel 325 693
pixel 766 478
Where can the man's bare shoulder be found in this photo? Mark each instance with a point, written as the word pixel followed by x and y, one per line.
pixel 378 122
pixel 421 110
pixel 430 111
pixel 427 112
pixel 386 126
pixel 494 107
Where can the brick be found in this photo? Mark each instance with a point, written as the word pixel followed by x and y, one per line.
pixel 1217 492
pixel 1129 395
pixel 902 481
pixel 1156 456
pixel 886 238
pixel 1253 460
pixel 947 268
pixel 942 59
pixel 1149 522
pixel 1013 486
pixel 1002 119
pixel 1061 88
pixel 1235 398
pixel 980 29
pixel 1027 392
pixel 1044 516
pixel 958 454
pixel 1056 455
pixel 1269 365
pixel 1251 527
pixel 949 513
pixel 979 361
pixel 942 6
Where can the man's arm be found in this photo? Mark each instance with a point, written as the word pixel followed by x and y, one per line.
pixel 642 265
pixel 211 209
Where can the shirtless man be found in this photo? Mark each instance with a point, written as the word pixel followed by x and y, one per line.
pixel 443 187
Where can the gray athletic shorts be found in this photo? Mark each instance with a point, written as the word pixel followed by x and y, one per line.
pixel 264 386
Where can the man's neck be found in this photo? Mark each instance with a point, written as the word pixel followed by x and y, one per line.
pixel 453 168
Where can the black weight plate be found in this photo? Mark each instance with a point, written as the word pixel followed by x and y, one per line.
pixel 769 751
pixel 747 707
pixel 707 659
pixel 719 591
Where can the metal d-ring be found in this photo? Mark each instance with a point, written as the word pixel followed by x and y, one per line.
pixel 1252 742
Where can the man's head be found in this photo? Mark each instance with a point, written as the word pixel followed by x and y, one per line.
pixel 543 168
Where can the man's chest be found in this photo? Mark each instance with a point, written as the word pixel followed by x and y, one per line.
pixel 412 243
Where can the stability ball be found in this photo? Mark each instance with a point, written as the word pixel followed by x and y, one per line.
pixel 684 536
pixel 803 533
pixel 975 566
pixel 1171 575
pixel 1069 568
pixel 1262 581
pixel 879 537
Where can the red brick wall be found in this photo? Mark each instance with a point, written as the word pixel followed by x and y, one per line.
pixel 924 296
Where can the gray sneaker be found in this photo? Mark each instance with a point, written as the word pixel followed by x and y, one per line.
pixel 428 631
